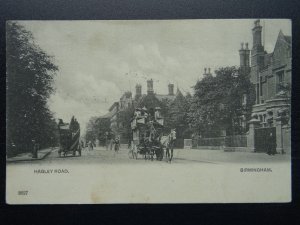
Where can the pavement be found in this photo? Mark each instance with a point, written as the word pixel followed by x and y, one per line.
pixel 43 153
pixel 220 156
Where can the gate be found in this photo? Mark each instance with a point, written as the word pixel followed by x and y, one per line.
pixel 179 143
pixel 264 138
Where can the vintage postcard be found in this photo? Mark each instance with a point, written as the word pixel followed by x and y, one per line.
pixel 148 111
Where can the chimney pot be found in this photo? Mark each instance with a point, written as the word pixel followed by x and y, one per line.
pixel 204 70
pixel 256 23
pixel 208 70
pixel 242 45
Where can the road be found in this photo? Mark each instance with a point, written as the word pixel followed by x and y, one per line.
pixel 100 155
pixel 102 176
pixel 181 156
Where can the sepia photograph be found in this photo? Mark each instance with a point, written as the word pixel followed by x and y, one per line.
pixel 148 111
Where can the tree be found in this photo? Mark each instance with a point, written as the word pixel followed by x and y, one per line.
pixel 124 121
pixel 96 129
pixel 217 102
pixel 29 83
pixel 91 130
pixel 103 126
pixel 176 116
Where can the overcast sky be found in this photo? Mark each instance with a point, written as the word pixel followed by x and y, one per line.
pixel 99 60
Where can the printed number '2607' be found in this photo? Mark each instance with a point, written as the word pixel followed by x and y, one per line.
pixel 22 192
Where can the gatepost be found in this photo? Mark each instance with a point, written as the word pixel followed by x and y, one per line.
pixel 279 142
pixel 253 123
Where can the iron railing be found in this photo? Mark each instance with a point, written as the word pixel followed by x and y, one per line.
pixel 228 141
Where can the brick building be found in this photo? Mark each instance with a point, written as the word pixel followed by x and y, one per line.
pixel 271 75
pixel 150 100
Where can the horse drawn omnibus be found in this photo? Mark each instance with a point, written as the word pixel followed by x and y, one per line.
pixel 69 135
pixel 147 136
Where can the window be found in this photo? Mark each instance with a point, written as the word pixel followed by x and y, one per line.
pixel 257 93
pixel 280 77
pixel 289 53
pixel 280 80
pixel 261 85
pixel 244 101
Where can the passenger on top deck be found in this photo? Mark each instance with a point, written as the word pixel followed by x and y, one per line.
pixel 137 112
pixel 157 113
pixel 145 113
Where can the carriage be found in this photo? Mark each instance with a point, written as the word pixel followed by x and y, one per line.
pixel 69 135
pixel 146 136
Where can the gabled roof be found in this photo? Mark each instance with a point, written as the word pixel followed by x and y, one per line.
pixel 113 105
pixel 283 38
pixel 107 115
pixel 288 39
pixel 268 58
pixel 169 97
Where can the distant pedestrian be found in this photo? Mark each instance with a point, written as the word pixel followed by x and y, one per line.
pixel 116 144
pixel 34 149
pixel 271 144
pixel 111 140
pixel 106 140
pixel 129 143
pixel 90 145
pixel 13 147
pixel 111 143
pixel 52 143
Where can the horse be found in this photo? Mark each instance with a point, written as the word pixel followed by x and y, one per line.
pixel 168 142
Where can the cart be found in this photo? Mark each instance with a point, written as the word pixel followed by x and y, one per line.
pixel 68 139
pixel 146 138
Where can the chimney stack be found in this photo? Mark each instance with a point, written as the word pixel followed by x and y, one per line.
pixel 150 87
pixel 206 72
pixel 256 31
pixel 244 56
pixel 171 89
pixel 138 90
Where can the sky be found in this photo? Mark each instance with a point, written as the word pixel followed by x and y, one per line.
pixel 99 60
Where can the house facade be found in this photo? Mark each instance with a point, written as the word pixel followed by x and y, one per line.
pixel 150 100
pixel 271 74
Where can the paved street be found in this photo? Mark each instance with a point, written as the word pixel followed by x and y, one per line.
pixel 181 156
pixel 100 176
